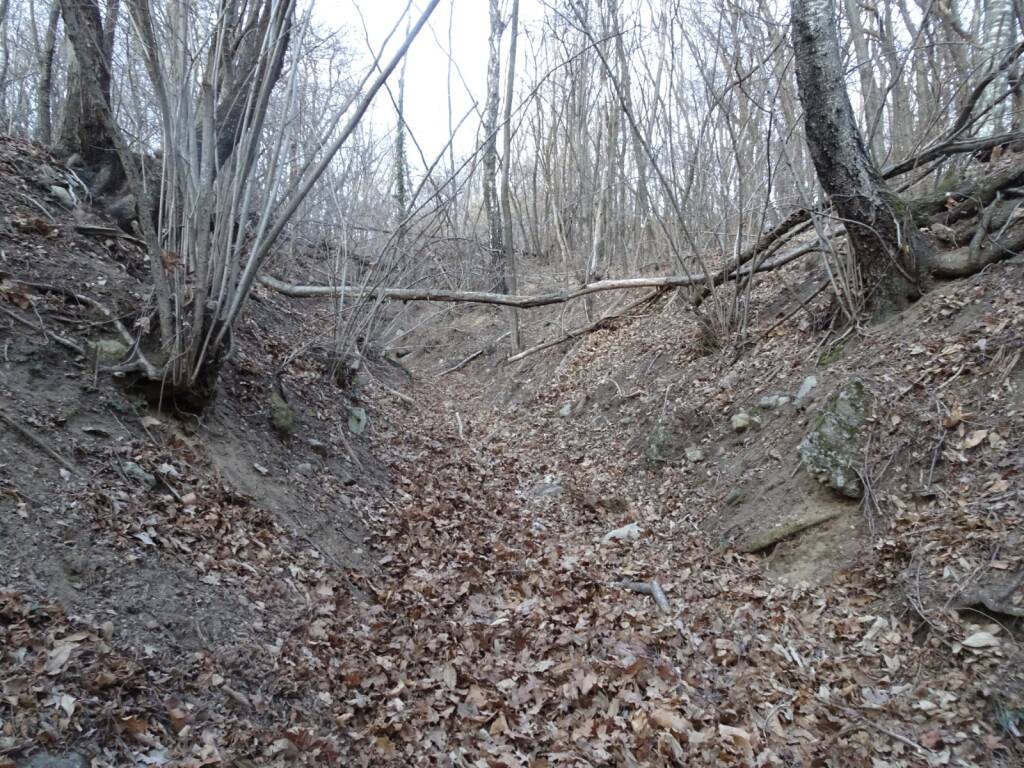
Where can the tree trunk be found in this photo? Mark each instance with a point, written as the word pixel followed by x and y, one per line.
pixel 44 91
pixel 490 153
pixel 889 249
pixel 509 268
pixel 83 130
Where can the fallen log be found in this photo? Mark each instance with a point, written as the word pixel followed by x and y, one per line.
pixel 727 273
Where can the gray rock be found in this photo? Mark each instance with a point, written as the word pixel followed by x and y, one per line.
pixel 805 389
pixel 743 421
pixel 833 449
pixel 735 497
pixel 357 420
pixel 110 350
pixel 665 444
pixel 548 488
pixel 318 446
pixel 138 474
pixel 47 760
pixel 66 198
pixel 694 454
pixel 305 469
pixel 565 411
pixel 771 402
pixel 282 417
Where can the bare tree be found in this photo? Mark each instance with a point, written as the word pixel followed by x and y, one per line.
pixel 889 249
pixel 509 272
pixel 490 144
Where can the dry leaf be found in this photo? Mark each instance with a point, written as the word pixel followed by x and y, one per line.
pixel 974 439
pixel 982 640
pixel 670 720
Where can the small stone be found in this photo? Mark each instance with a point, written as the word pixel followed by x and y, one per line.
pixel 318 446
pixel 694 454
pixel 538 527
pixel 565 411
pixel 805 389
pixel 741 422
pixel 137 473
pixel 305 469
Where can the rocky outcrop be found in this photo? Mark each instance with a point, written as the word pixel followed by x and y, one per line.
pixel 833 450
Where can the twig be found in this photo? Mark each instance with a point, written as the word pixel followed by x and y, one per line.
pixel 38 443
pixel 461 365
pixel 891 734
pixel 49 334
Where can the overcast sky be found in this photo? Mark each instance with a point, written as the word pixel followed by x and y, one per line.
pixel 426 103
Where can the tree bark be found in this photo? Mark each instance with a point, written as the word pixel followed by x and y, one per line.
pixel 509 270
pixel 889 249
pixel 44 91
pixel 83 129
pixel 490 153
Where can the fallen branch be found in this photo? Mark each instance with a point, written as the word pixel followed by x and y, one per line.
pixel 98 231
pixel 138 360
pixel 38 443
pixel 947 148
pixel 49 334
pixel 477 297
pixel 652 588
pixel 588 328
pixel 461 365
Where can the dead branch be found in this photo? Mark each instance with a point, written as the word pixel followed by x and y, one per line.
pixel 461 365
pixel 948 148
pixel 48 334
pixel 966 199
pixel 729 272
pixel 138 361
pixel 966 261
pixel 652 588
pixel 98 231
pixel 601 322
pixel 38 442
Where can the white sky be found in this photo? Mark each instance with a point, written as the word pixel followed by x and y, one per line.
pixel 426 105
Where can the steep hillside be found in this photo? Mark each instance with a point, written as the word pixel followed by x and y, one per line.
pixel 612 553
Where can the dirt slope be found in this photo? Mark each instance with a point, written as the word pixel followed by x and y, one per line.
pixel 447 593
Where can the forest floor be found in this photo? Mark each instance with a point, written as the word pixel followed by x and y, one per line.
pixel 453 570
